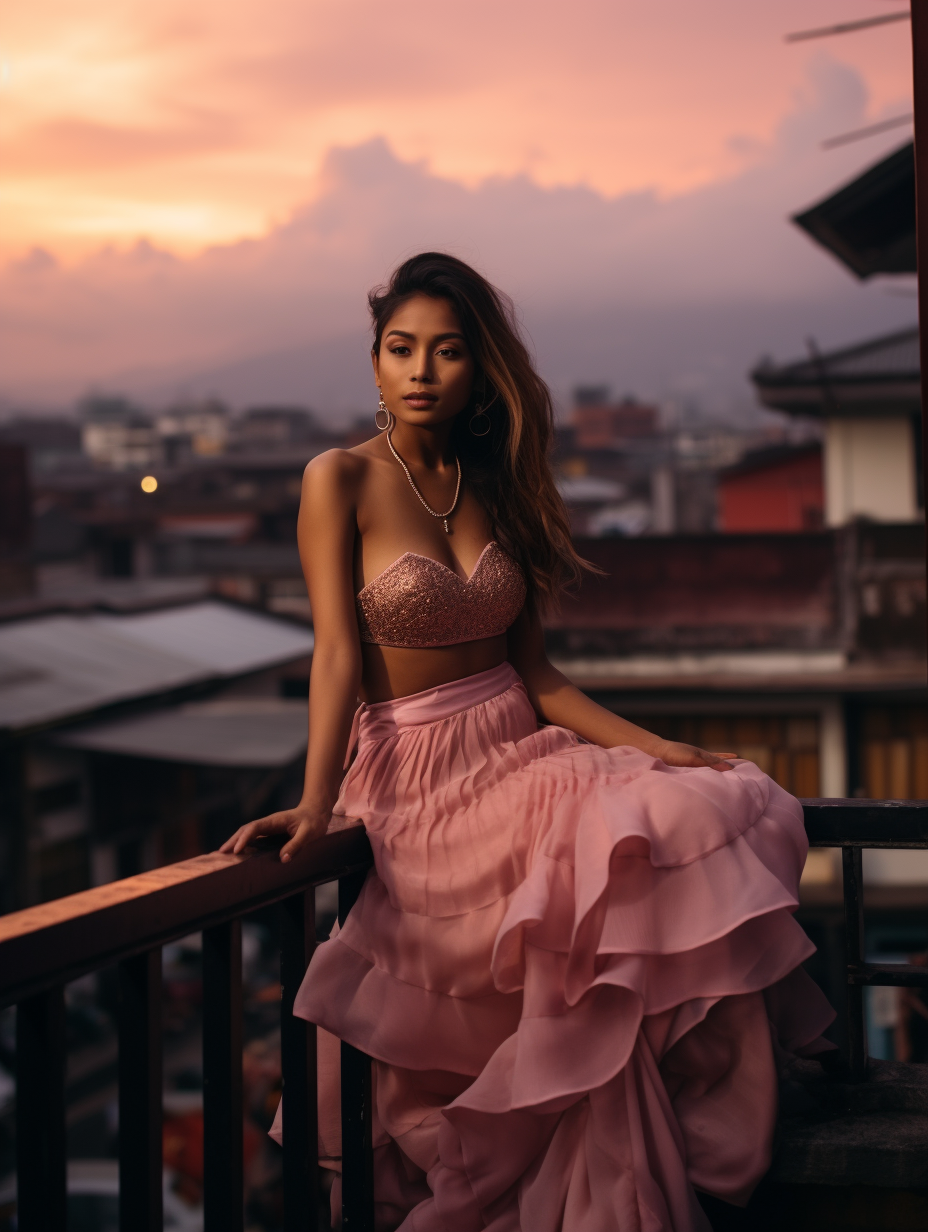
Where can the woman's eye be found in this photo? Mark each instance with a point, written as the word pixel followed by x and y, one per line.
pixel 448 352
pixel 400 350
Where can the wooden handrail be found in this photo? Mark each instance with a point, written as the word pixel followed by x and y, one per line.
pixel 61 940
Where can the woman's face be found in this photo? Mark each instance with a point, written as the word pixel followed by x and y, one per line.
pixel 424 369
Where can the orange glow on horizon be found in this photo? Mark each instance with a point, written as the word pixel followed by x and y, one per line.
pixel 197 126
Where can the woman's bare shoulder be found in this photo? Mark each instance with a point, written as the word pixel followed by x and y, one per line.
pixel 335 473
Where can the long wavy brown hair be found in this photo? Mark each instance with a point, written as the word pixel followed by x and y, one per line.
pixel 508 468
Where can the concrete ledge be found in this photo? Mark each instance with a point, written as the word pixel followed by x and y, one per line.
pixel 891 1086
pixel 836 1133
pixel 884 1149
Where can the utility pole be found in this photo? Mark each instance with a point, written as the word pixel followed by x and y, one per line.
pixel 920 109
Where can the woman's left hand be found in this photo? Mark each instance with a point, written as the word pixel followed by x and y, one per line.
pixel 673 753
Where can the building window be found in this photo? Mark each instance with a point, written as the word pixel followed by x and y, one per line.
pixel 894 752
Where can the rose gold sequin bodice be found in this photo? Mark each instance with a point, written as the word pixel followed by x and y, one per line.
pixel 418 603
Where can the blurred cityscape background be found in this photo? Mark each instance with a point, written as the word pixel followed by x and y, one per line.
pixel 759 521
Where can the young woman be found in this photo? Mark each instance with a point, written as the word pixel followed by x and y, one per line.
pixel 575 959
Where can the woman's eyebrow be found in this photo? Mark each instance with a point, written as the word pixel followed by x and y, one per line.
pixel 402 333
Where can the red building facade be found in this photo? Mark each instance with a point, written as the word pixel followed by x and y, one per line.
pixel 776 489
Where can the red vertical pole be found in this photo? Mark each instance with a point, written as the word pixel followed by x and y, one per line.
pixel 920 109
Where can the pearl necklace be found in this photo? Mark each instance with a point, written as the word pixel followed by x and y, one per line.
pixel 412 483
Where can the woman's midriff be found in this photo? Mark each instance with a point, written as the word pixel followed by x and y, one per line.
pixel 389 672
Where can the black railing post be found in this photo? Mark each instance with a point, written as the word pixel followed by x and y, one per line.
pixel 298 1067
pixel 41 1150
pixel 223 1177
pixel 140 1094
pixel 852 866
pixel 357 1108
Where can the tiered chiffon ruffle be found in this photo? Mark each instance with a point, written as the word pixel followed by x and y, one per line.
pixel 573 967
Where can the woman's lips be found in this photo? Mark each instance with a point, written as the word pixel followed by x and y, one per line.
pixel 420 400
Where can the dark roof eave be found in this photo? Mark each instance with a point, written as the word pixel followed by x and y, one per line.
pixel 889 399
pixel 869 223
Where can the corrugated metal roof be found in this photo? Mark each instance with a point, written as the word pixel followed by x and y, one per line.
pixel 893 355
pixel 54 668
pixel 248 732
pixel 227 640
pixel 878 378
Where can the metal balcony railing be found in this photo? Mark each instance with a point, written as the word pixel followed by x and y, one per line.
pixel 126 923
pixel 853 825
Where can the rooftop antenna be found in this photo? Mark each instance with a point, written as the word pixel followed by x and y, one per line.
pixel 850 27
pixel 847 27
pixel 858 134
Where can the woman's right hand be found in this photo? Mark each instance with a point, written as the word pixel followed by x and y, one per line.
pixel 675 753
pixel 302 826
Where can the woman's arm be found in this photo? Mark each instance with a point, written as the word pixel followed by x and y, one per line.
pixel 557 701
pixel 325 533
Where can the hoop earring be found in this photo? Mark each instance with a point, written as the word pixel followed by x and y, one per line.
pixel 480 413
pixel 382 409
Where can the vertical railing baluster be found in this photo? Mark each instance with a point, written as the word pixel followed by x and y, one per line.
pixel 298 1067
pixel 357 1108
pixel 41 1145
pixel 140 1095
pixel 357 1146
pixel 852 864
pixel 223 1180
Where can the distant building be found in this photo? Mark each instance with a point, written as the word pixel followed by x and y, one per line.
pixel 16 576
pixel 275 427
pixel 720 636
pixel 869 398
pixel 118 435
pixel 777 488
pixel 668 477
pixel 613 463
pixel 228 520
pixel 50 441
pixel 600 424
pixel 130 739
pixel 200 428
pixel 587 499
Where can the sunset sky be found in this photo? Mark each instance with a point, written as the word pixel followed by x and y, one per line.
pixel 220 134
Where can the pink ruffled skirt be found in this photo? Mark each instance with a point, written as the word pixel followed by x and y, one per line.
pixel 574 968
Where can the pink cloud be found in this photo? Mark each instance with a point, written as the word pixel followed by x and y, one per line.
pixel 197 125
pixel 667 297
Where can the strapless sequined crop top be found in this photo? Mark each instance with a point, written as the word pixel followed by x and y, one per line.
pixel 418 603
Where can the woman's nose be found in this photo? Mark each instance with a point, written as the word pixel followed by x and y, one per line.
pixel 423 368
